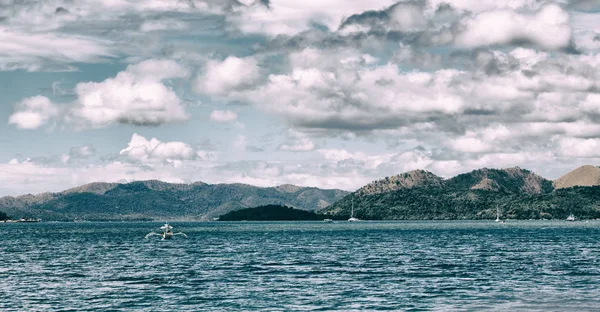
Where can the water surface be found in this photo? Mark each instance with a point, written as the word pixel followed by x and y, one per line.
pixel 302 266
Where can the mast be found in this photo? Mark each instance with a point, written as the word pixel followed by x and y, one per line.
pixel 352 213
pixel 497 213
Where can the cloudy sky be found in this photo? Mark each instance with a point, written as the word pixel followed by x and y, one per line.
pixel 329 93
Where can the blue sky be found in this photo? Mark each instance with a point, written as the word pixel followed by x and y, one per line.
pixel 331 94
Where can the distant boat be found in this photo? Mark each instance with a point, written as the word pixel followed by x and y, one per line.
pixel 352 218
pixel 571 217
pixel 167 232
pixel 29 220
pixel 328 220
pixel 498 215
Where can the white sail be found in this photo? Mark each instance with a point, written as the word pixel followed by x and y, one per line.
pixel 352 218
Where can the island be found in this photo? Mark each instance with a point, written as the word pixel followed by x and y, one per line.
pixel 273 213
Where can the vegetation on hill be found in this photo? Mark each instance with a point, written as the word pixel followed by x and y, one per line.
pixel 415 178
pixel 4 216
pixel 517 193
pixel 271 213
pixel 446 204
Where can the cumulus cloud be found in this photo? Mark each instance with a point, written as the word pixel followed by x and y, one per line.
pixel 579 147
pixel 33 112
pixel 463 24
pixel 288 17
pixel 410 16
pixel 508 103
pixel 231 74
pixel 549 28
pixel 223 116
pixel 357 98
pixel 137 95
pixel 143 150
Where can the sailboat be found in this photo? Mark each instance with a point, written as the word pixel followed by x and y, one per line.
pixel 352 218
pixel 571 217
pixel 498 215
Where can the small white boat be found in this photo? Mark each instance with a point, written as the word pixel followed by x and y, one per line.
pixel 328 220
pixel 571 217
pixel 352 218
pixel 167 232
pixel 498 215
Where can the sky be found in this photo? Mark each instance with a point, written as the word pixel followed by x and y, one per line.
pixel 329 93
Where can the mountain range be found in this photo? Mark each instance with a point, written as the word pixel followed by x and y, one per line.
pixel 416 195
pixel 156 200
pixel 516 193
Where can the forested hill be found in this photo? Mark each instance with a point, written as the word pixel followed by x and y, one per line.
pixel 516 192
pixel 155 200
pixel 271 213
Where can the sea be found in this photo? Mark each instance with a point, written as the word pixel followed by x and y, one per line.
pixel 301 266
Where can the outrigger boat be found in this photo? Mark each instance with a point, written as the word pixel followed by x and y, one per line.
pixel 167 232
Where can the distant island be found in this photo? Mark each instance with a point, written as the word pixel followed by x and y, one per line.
pixel 272 213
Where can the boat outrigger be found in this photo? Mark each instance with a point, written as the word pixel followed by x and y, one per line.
pixel 167 232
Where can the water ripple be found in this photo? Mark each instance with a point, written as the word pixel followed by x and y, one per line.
pixel 302 266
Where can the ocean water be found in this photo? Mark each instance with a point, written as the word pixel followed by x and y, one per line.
pixel 302 266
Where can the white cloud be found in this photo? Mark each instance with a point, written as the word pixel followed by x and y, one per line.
pixel 470 145
pixel 579 147
pixel 360 98
pixel 45 15
pixel 137 96
pixel 231 74
pixel 223 116
pixel 407 17
pixel 334 96
pixel 48 51
pixel 33 112
pixel 141 149
pixel 289 17
pixel 549 28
